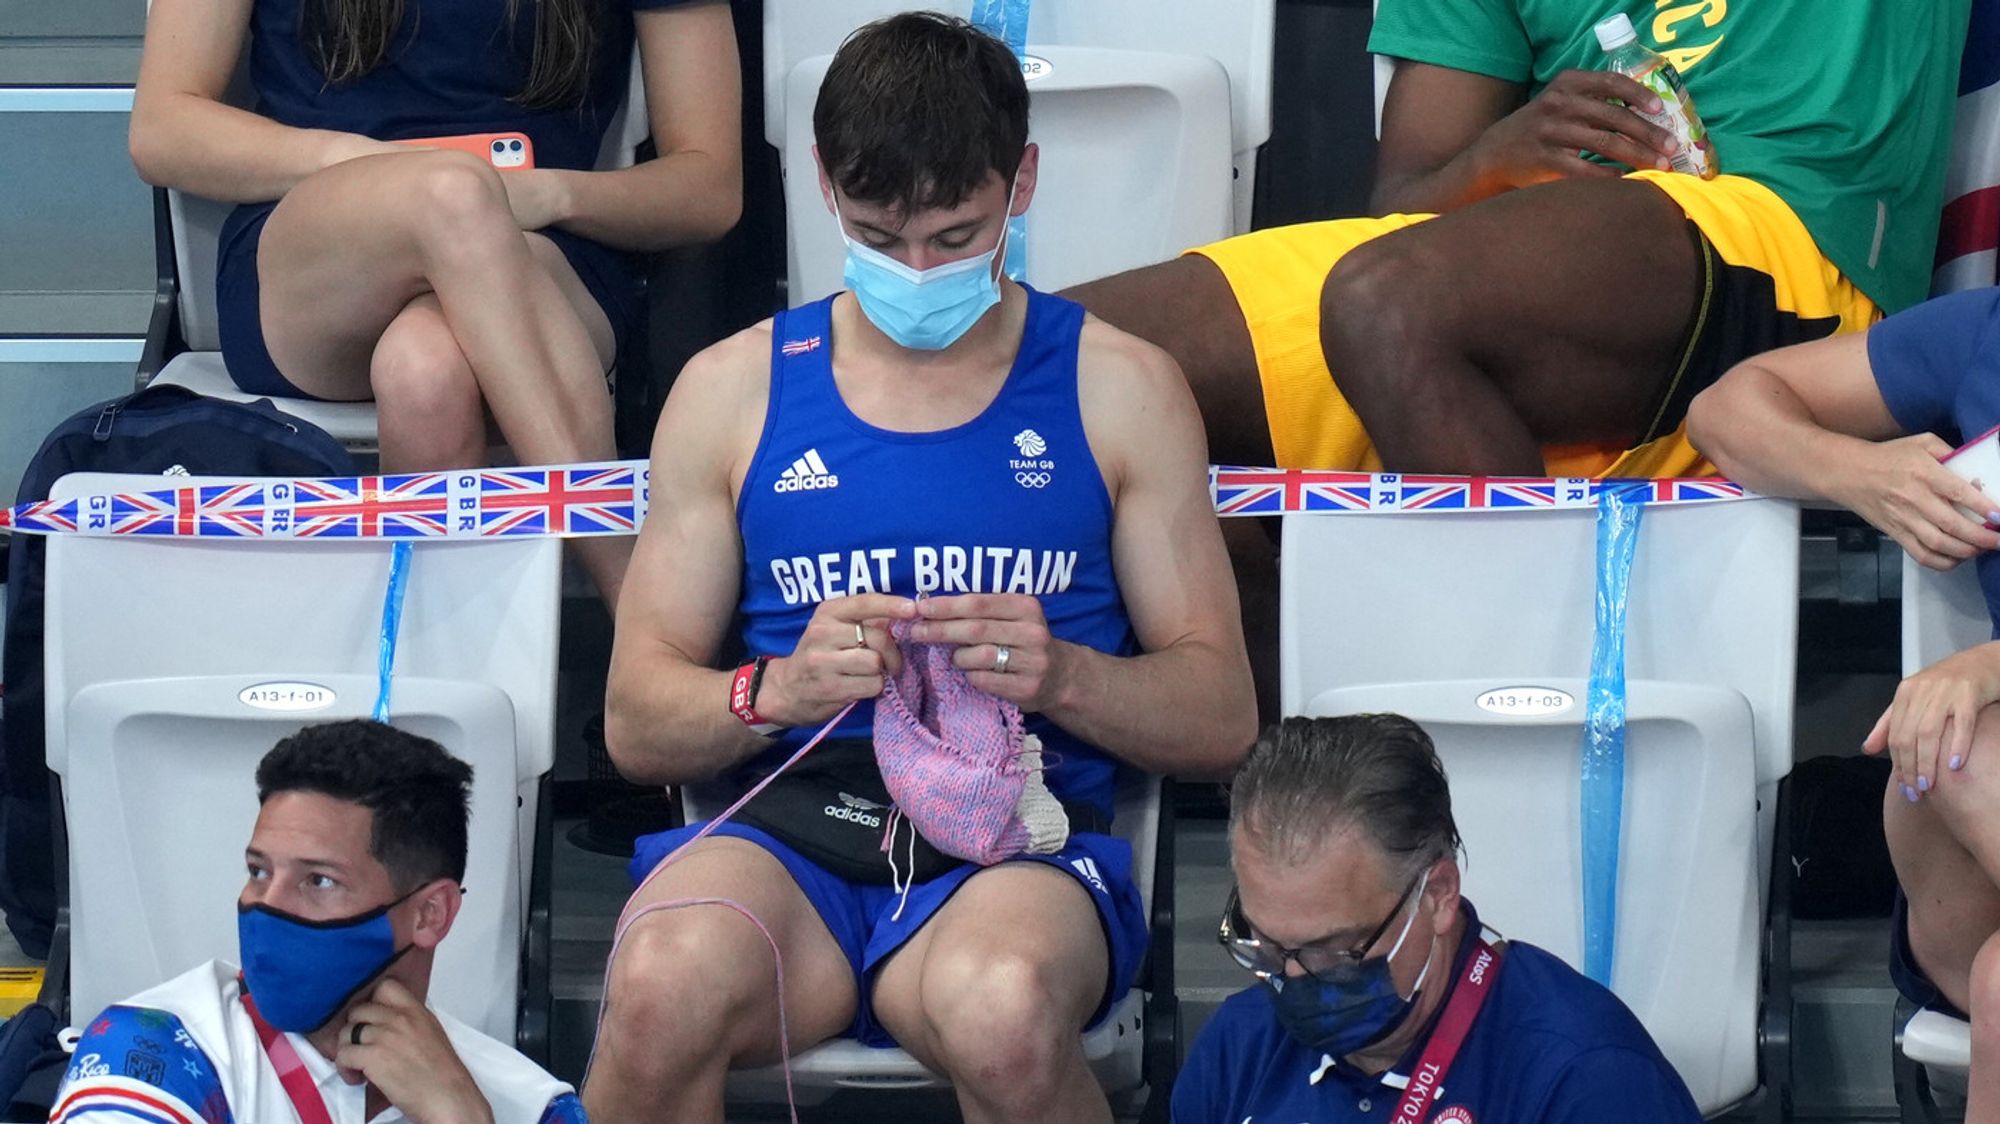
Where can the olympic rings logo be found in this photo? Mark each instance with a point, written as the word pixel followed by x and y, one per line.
pixel 1032 479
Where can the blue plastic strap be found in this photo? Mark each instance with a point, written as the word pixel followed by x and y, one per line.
pixel 1007 21
pixel 392 625
pixel 1603 798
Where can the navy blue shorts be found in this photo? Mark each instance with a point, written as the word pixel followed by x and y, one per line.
pixel 607 273
pixel 862 917
pixel 1910 979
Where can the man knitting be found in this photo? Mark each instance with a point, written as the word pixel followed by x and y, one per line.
pixel 967 497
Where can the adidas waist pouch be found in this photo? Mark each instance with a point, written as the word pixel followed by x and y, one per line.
pixel 833 808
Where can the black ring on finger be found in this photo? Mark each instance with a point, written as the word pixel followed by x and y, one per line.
pixel 354 1033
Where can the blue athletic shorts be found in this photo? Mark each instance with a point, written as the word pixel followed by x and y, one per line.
pixel 862 917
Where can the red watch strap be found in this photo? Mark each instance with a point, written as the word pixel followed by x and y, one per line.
pixel 743 696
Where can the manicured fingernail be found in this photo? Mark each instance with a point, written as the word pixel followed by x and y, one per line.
pixel 1909 794
pixel 1957 759
pixel 1923 784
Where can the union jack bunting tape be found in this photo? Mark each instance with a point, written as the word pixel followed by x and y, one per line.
pixel 1294 491
pixel 611 498
pixel 569 501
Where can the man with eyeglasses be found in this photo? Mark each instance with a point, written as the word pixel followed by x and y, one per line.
pixel 1380 996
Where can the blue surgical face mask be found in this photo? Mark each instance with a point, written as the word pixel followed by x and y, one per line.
pixel 300 972
pixel 923 309
pixel 1346 1011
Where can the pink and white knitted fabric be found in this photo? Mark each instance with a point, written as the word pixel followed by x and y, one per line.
pixel 957 763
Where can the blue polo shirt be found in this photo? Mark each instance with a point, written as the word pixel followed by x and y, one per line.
pixel 1549 1047
pixel 1939 372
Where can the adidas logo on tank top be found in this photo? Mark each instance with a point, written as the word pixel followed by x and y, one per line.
pixel 807 474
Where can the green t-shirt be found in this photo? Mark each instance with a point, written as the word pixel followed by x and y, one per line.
pixel 1842 107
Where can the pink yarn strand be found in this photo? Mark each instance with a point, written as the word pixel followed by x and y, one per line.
pixel 628 917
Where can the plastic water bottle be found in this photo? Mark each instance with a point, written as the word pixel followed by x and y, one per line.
pixel 1626 55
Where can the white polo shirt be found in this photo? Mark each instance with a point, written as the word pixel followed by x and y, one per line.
pixel 186 1052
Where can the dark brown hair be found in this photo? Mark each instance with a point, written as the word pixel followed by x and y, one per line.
pixel 917 110
pixel 349 38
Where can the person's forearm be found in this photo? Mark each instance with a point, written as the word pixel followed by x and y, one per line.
pixel 1762 436
pixel 1459 182
pixel 232 155
pixel 668 722
pixel 679 199
pixel 1186 710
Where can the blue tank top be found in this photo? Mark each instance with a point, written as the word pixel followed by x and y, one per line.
pixel 1011 501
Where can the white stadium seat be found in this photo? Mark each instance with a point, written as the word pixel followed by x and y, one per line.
pixel 1149 117
pixel 1479 626
pixel 173 665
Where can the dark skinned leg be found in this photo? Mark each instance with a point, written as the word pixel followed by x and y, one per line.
pixel 1185 308
pixel 1549 315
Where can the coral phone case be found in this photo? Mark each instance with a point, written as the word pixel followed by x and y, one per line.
pixel 505 151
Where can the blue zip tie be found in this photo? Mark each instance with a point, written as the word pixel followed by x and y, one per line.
pixel 1007 21
pixel 1603 765
pixel 392 625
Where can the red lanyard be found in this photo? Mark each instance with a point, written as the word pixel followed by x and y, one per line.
pixel 292 1073
pixel 1449 1034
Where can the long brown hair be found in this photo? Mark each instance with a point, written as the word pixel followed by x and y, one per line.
pixel 349 38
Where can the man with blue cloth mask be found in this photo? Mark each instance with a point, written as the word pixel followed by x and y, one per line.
pixel 1380 996
pixel 355 867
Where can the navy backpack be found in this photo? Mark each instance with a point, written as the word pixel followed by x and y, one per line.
pixel 168 430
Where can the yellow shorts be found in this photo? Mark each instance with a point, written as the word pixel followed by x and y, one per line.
pixel 1765 285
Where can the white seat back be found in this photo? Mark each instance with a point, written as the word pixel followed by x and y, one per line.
pixel 1688 919
pixel 1110 198
pixel 1431 614
pixel 160 798
pixel 154 647
pixel 1118 107
pixel 1237 35
pixel 1943 613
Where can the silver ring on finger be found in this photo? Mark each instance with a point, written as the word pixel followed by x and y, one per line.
pixel 860 635
pixel 1000 659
